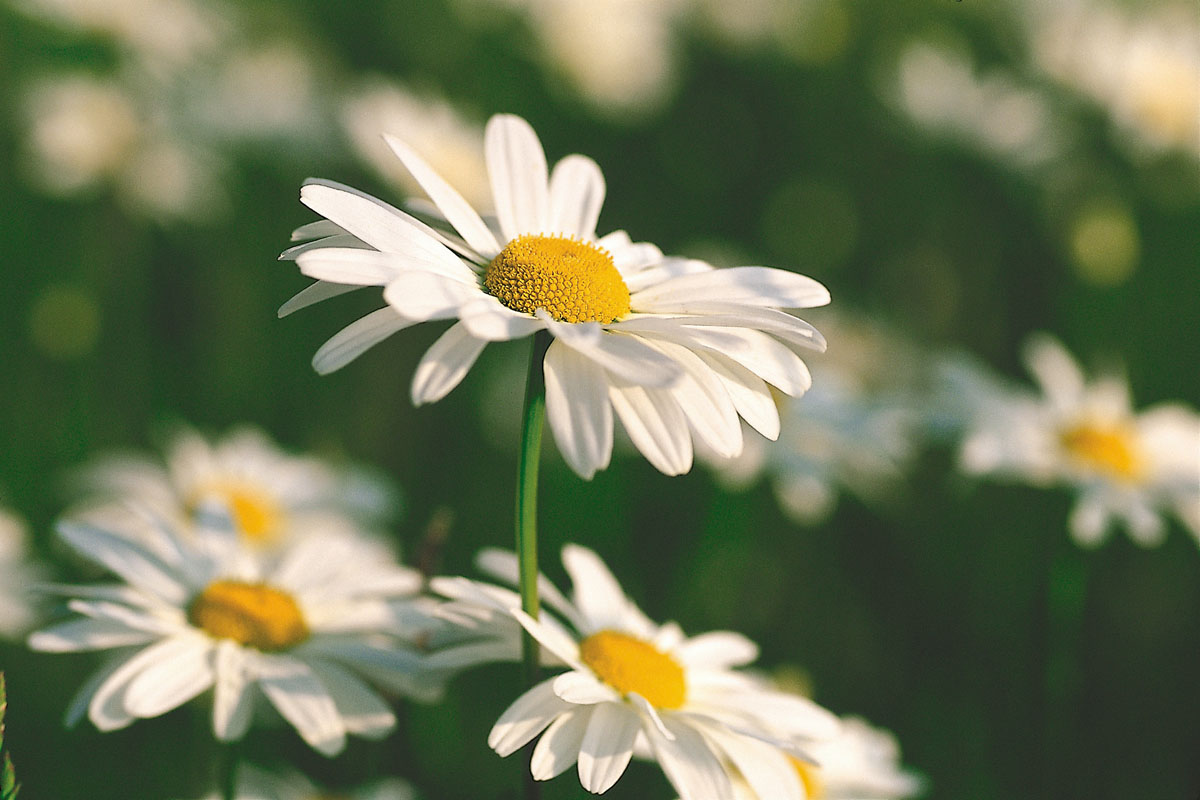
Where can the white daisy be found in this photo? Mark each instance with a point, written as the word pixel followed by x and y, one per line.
pixel 674 346
pixel 271 496
pixel 860 763
pixel 254 783
pixel 632 685
pixel 18 573
pixel 1127 467
pixel 201 612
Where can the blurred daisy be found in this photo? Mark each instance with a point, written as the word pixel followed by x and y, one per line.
pixel 254 783
pixel 632 685
pixel 856 429
pixel 1126 467
pixel 199 613
pixel 271 496
pixel 18 573
pixel 674 346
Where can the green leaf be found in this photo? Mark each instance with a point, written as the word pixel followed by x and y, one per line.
pixel 8 777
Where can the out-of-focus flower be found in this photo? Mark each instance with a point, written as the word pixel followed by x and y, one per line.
pixel 856 429
pixel 632 685
pixel 86 131
pixel 273 497
pixel 938 87
pixel 619 54
pixel 1126 467
pixel 201 612
pixel 18 574
pixel 162 34
pixel 450 143
pixel 1142 65
pixel 254 783
pixel 673 345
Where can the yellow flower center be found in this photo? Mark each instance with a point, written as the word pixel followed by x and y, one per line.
pixel 574 281
pixel 255 513
pixel 810 778
pixel 252 614
pixel 628 664
pixel 1110 449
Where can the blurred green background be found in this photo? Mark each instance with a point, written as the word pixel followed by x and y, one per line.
pixel 939 165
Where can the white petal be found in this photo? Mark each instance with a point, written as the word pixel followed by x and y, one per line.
pixel 626 357
pixel 749 393
pixel 754 350
pixel 652 273
pixel 1058 374
pixel 363 712
pixel 422 296
pixel 576 195
pixel 356 338
pixel 583 688
pixel 578 409
pixel 551 636
pixel 136 565
pixel 705 403
pixel 526 718
pixel 380 225
pixel 718 650
pixel 313 293
pixel 179 674
pixel 559 746
pixel 765 767
pixel 596 592
pixel 373 268
pixel 607 746
pixel 656 425
pixel 517 169
pixel 758 286
pixel 688 763
pixel 445 364
pixel 83 697
pixel 780 324
pixel 86 634
pixel 503 565
pixel 458 211
pixel 487 318
pixel 233 695
pixel 106 709
pixel 340 240
pixel 303 701
pixel 316 230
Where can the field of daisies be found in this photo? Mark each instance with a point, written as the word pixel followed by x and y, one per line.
pixel 531 399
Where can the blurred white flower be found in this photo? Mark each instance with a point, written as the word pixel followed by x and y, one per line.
pixel 1142 64
pixel 273 497
pixel 632 685
pixel 192 613
pixel 1126 467
pixel 450 142
pixel 254 783
pixel 18 575
pixel 856 429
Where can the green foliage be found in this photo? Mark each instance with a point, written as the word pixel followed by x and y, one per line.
pixel 8 778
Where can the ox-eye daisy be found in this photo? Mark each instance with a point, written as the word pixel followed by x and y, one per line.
pixel 673 346
pixel 632 685
pixel 202 612
pixel 270 496
pixel 1126 467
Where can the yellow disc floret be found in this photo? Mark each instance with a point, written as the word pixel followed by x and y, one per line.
pixel 1111 449
pixel 628 664
pixel 255 513
pixel 574 281
pixel 252 614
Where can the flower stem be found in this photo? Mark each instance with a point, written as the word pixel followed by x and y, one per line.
pixel 230 758
pixel 532 416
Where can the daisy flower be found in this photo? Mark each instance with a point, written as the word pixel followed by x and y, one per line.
pixel 1127 467
pixel 270 496
pixel 194 613
pixel 673 346
pixel 254 783
pixel 634 686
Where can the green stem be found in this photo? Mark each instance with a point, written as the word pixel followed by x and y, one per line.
pixel 230 758
pixel 532 417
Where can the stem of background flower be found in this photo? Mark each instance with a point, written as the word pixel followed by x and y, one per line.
pixel 1066 594
pixel 230 757
pixel 532 416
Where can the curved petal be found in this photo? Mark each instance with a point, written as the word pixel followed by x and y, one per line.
pixel 758 352
pixel 578 409
pixel 374 268
pixel 313 293
pixel 755 286
pixel 705 403
pixel 656 425
pixel 139 567
pixel 86 634
pixel 691 767
pixel 489 319
pixel 303 701
pixel 422 296
pixel 356 338
pixel 749 393
pixel 576 195
pixel 526 718
pixel 607 746
pixel 627 357
pixel 177 675
pixel 233 691
pixel 718 650
pixel 363 712
pixel 445 364
pixel 517 169
pixel 559 746
pixel 583 689
pixel 458 211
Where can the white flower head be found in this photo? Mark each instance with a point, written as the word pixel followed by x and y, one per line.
pixel 306 632
pixel 635 686
pixel 675 347
pixel 270 497
pixel 254 783
pixel 1126 467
